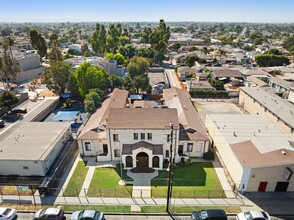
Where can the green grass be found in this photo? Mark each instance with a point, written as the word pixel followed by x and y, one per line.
pixel 189 181
pixel 105 183
pixel 101 208
pixel 76 181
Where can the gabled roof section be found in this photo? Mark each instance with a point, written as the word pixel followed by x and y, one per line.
pixel 116 99
pixel 187 114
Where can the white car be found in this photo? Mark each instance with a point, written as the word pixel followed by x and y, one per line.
pixel 253 215
pixel 7 213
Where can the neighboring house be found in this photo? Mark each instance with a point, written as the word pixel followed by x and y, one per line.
pixel 141 137
pixel 257 155
pixel 184 71
pixel 196 84
pixel 109 65
pixel 264 102
pixel 187 41
pixel 31 148
pixel 281 85
pixel 227 75
pixel 254 81
pixel 30 67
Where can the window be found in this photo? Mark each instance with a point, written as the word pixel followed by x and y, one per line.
pixel 129 161
pixel 88 146
pixel 105 149
pixel 142 136
pixel 168 138
pixel 149 136
pixel 115 137
pixel 190 147
pixel 116 153
pixel 25 167
pixel 167 153
pixel 136 136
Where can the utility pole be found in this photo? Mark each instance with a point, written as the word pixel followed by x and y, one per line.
pixel 170 167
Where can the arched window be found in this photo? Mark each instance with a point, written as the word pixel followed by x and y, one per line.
pixel 129 161
pixel 155 161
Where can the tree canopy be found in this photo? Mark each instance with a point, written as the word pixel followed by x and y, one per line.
pixel 38 42
pixel 264 60
pixel 7 99
pixel 55 52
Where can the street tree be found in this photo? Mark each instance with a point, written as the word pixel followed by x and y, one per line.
pixel 56 76
pixel 8 99
pixel 98 39
pixel 191 59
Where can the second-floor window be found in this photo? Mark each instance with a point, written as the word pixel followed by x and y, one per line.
pixel 87 146
pixel 136 136
pixel 149 136
pixel 115 137
pixel 142 136
pixel 168 138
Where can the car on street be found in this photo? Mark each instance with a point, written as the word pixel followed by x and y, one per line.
pixel 2 123
pixel 253 215
pixel 7 213
pixel 217 64
pixel 87 215
pixel 210 214
pixel 20 110
pixel 49 213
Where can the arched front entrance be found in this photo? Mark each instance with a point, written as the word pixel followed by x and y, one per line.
pixel 142 160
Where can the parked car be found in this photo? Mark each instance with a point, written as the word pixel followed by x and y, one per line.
pixel 49 213
pixel 87 215
pixel 217 64
pixel 210 214
pixel 7 213
pixel 160 82
pixel 253 215
pixel 20 110
pixel 2 123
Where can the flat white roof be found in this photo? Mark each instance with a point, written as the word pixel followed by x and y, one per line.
pixel 262 133
pixel 31 140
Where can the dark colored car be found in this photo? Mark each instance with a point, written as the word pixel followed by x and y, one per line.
pixel 217 64
pixel 50 214
pixel 210 214
pixel 20 110
pixel 2 123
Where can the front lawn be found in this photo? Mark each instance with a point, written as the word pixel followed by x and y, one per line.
pixel 197 180
pixel 77 180
pixel 105 183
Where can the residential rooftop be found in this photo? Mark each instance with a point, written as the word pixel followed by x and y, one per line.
pixel 278 106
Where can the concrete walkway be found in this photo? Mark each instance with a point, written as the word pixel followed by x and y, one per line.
pixel 87 181
pixel 142 183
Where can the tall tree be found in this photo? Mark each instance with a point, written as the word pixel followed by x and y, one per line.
pixel 56 76
pixel 55 51
pixel 8 66
pixel 38 42
pixel 98 39
pixel 8 99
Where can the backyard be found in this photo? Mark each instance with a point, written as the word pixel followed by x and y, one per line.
pixel 105 183
pixel 189 181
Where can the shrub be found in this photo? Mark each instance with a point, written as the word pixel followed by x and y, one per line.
pixel 182 160
pixel 209 155
pixel 119 167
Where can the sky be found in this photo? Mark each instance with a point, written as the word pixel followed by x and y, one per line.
pixel 265 11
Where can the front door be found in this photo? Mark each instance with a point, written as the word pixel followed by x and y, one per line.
pixel 142 160
pixel 262 186
pixel 281 187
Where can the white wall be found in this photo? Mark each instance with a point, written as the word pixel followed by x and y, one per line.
pixel 16 167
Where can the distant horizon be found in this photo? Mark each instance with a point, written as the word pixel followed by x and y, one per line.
pixel 220 11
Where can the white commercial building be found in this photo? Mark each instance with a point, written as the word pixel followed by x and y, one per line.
pixel 257 155
pixel 30 148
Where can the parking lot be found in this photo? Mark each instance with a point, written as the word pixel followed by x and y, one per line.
pixel 215 107
pixel 157 77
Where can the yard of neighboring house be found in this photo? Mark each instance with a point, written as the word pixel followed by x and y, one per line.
pixel 105 183
pixel 76 181
pixel 189 181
